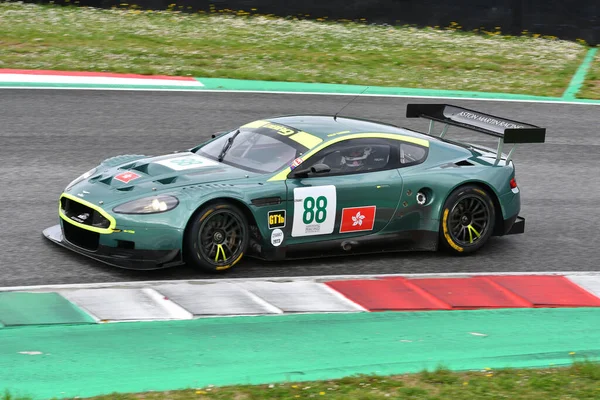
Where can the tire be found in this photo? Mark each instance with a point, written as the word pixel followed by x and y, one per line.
pixel 467 220
pixel 218 237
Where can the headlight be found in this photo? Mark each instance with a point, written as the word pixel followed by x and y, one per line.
pixel 148 205
pixel 82 177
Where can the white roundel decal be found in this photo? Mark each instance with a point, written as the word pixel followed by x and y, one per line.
pixel 189 161
pixel 277 237
pixel 314 210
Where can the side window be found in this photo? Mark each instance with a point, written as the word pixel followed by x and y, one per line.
pixel 357 156
pixel 411 154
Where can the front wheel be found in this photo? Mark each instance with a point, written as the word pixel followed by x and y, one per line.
pixel 467 220
pixel 218 237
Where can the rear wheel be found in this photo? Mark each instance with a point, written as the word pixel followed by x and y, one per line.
pixel 467 220
pixel 218 237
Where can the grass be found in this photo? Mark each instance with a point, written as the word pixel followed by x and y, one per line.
pixel 8 396
pixel 580 381
pixel 591 87
pixel 277 49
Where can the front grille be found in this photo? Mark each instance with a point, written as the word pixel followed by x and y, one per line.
pixel 80 237
pixel 83 214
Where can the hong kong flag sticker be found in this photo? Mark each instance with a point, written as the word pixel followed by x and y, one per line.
pixel 356 219
pixel 126 177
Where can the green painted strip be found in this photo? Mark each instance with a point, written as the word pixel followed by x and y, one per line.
pixel 297 87
pixel 579 77
pixel 21 308
pixel 89 360
pixel 249 85
pixel 219 84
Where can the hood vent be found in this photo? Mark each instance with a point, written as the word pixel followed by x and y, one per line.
pixel 464 163
pixel 141 168
pixel 167 181
pixel 125 189
pixel 106 181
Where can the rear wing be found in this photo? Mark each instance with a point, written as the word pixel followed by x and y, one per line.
pixel 506 130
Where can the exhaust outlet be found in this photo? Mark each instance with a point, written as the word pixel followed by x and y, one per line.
pixel 347 246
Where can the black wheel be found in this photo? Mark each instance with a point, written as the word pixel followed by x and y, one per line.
pixel 218 237
pixel 467 220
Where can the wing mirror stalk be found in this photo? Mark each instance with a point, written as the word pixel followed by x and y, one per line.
pixel 314 170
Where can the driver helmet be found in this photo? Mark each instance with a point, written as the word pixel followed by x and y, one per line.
pixel 356 157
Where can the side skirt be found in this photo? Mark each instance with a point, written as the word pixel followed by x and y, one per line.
pixel 397 242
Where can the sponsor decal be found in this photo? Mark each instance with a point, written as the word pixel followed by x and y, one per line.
pixel 81 218
pixel 488 120
pixel 357 219
pixel 282 130
pixel 296 163
pixel 189 161
pixel 276 219
pixel 126 177
pixel 314 210
pixel 277 237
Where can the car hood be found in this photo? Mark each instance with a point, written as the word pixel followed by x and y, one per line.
pixel 131 176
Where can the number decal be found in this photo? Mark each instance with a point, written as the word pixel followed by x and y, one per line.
pixel 314 210
pixel 310 215
pixel 321 209
pixel 182 162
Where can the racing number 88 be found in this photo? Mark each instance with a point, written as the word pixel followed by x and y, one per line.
pixel 310 215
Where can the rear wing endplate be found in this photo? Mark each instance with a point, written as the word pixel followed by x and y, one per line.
pixel 506 130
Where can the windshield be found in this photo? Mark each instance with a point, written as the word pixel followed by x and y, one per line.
pixel 254 151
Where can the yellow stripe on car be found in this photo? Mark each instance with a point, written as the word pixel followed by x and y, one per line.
pixel 110 218
pixel 280 176
pixel 306 139
pixel 256 124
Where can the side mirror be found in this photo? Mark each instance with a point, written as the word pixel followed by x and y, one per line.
pixel 315 169
pixel 320 169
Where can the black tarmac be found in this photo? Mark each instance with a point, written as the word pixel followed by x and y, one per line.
pixel 49 137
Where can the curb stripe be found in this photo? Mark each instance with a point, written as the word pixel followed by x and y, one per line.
pixel 93 80
pixel 179 301
pixel 41 72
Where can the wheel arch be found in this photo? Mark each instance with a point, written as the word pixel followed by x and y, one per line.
pixel 231 200
pixel 499 220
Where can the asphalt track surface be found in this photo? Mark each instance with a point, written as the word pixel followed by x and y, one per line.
pixel 49 137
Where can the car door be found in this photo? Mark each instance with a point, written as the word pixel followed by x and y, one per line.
pixel 354 192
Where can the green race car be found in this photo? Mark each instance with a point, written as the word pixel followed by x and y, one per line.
pixel 300 186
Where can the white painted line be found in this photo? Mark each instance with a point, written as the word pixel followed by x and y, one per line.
pixel 214 298
pixel 572 102
pixel 122 304
pixel 176 311
pixel 273 309
pixel 299 296
pixel 315 278
pixel 94 80
pixel 591 283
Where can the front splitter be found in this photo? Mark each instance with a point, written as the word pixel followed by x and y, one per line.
pixel 121 258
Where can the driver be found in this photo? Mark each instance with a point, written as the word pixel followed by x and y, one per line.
pixel 355 158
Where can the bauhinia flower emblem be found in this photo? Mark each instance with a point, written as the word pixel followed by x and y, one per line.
pixel 357 219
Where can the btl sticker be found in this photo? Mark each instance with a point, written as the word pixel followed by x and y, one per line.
pixel 276 219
